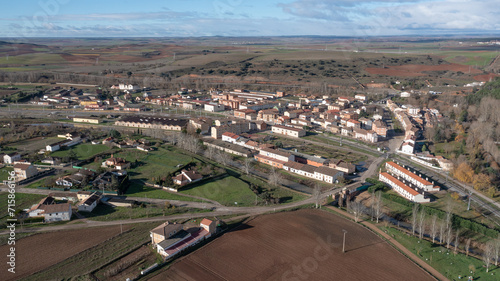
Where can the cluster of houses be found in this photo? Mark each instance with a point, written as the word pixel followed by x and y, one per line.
pixel 407 183
pixel 51 210
pixel 414 120
pixel 169 238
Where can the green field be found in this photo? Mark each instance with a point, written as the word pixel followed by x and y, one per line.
pixel 155 163
pixel 23 201
pixel 444 260
pixel 4 173
pixel 31 59
pixel 83 151
pixel 137 189
pixel 472 58
pixel 105 212
pixel 226 191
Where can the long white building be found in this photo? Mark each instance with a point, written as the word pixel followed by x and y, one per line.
pixel 402 189
pixel 410 177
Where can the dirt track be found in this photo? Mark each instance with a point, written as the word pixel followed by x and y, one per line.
pixel 301 245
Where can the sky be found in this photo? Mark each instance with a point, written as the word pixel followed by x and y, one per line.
pixel 186 18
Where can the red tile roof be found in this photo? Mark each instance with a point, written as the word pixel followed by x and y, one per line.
pixel 408 173
pixel 400 184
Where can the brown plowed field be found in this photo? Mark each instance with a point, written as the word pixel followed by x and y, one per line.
pixel 300 245
pixel 40 251
pixel 417 70
pixel 486 77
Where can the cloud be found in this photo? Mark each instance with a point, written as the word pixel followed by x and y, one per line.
pixel 385 17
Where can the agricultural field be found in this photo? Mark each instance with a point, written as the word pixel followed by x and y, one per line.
pixel 35 144
pixel 277 246
pixel 43 245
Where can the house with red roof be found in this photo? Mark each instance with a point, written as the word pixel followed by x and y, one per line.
pixel 187 177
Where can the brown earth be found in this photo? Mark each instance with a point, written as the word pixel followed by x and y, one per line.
pixel 293 246
pixel 486 77
pixel 417 70
pixel 38 252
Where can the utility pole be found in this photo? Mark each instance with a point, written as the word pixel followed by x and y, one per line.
pixel 343 243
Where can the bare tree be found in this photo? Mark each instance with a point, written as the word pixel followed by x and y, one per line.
pixel 488 254
pixel 247 165
pixel 496 251
pixel 223 157
pixel 421 224
pixel 414 218
pixel 449 237
pixel 434 228
pixel 457 237
pixel 274 177
pixel 442 229
pixel 378 205
pixel 467 247
pixel 210 152
pixel 357 209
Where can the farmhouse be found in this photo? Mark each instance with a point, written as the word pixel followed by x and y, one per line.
pixel 24 171
pixel 90 202
pixel 187 177
pixel 50 211
pixel 403 190
pixel 170 238
pixel 118 163
pixel 288 131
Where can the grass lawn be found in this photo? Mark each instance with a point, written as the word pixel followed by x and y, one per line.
pixel 4 173
pixel 137 189
pixel 83 151
pixel 444 260
pixel 104 212
pixel 286 195
pixel 154 163
pixel 226 191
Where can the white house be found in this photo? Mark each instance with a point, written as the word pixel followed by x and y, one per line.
pixel 129 87
pixel 408 148
pixel 51 211
pixel 89 203
pixel 11 157
pixel 288 131
pixel 214 107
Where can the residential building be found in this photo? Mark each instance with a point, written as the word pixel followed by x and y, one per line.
pixel 86 120
pixel 153 122
pixel 380 128
pixel 274 157
pixel 24 171
pixel 365 135
pixel 288 131
pixel 402 189
pixel 187 177
pixel 89 204
pixel 11 157
pixel 51 211
pixel 214 107
pixel 118 163
pixel 412 178
pixel 342 166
